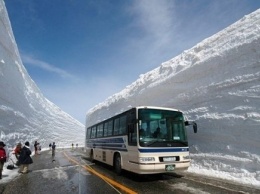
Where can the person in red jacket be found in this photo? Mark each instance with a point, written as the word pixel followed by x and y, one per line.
pixel 2 157
pixel 17 150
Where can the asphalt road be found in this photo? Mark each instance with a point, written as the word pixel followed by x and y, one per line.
pixel 71 173
pixel 56 177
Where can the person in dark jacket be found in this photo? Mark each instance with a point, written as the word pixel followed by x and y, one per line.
pixel 53 151
pixel 25 159
pixel 36 147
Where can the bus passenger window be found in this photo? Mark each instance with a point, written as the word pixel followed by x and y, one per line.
pixel 100 130
pixel 93 132
pixel 116 127
pixel 110 128
pixel 122 128
pixel 105 129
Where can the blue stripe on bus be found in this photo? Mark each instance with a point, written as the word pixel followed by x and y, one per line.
pixel 113 140
pixel 108 144
pixel 112 148
pixel 163 150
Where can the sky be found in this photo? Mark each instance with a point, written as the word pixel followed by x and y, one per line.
pixel 81 52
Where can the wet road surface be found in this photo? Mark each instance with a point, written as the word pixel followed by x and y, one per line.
pixel 72 173
pixel 172 183
pixel 56 177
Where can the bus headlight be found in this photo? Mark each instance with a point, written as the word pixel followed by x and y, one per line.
pixel 146 159
pixel 186 157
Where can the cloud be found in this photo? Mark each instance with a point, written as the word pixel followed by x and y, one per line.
pixel 45 66
pixel 154 30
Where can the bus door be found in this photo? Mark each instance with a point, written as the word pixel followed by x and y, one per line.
pixel 132 140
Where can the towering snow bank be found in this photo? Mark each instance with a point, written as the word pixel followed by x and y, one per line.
pixel 25 114
pixel 217 83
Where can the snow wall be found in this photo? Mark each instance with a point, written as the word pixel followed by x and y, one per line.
pixel 25 114
pixel 217 84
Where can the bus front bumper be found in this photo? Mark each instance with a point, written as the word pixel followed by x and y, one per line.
pixel 155 168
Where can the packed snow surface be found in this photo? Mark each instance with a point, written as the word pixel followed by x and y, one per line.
pixel 25 114
pixel 216 83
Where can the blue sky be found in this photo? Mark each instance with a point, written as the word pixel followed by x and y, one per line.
pixel 80 52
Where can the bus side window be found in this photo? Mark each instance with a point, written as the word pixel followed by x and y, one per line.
pixel 105 129
pixel 122 129
pixel 88 133
pixel 110 128
pixel 116 126
pixel 93 132
pixel 132 135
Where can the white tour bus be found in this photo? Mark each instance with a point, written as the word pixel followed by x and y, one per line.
pixel 143 140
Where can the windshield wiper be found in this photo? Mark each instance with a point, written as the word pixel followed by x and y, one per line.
pixel 152 142
pixel 181 142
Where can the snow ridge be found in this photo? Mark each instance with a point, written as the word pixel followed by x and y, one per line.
pixel 26 115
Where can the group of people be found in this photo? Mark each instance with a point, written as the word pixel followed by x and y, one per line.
pixel 72 146
pixel 22 154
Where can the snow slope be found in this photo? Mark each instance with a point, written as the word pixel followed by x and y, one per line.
pixel 25 114
pixel 216 83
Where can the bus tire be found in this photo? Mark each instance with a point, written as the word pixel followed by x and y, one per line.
pixel 117 164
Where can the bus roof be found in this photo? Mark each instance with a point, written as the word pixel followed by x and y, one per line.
pixel 157 107
pixel 137 107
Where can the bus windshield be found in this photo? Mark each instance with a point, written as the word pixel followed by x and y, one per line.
pixel 161 128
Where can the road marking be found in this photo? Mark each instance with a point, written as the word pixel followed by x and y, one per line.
pixel 110 181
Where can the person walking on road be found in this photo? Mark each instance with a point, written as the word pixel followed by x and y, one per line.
pixel 35 147
pixel 25 159
pixel 2 157
pixel 53 147
pixel 39 148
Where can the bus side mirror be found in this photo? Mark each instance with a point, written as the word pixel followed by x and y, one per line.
pixel 195 128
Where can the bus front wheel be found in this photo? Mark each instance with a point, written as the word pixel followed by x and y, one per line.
pixel 117 164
